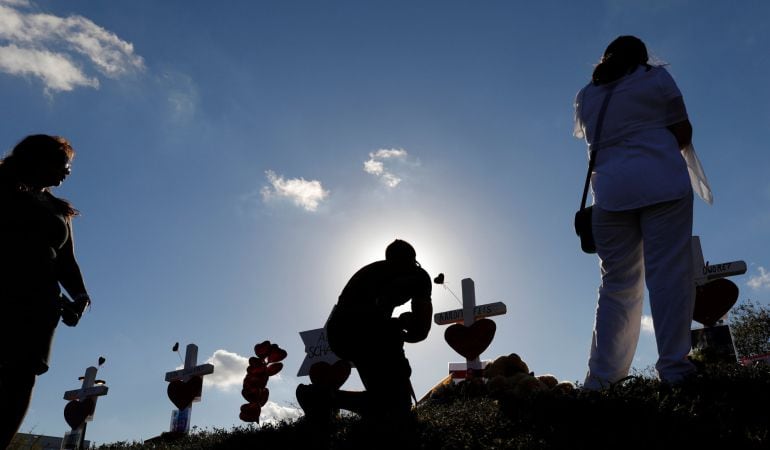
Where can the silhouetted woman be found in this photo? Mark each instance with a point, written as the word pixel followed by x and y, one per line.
pixel 642 220
pixel 36 257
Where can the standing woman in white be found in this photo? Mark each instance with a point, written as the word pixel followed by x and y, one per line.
pixel 643 207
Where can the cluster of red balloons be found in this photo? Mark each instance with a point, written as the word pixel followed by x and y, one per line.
pixel 261 367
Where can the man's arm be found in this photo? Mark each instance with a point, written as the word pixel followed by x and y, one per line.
pixel 417 322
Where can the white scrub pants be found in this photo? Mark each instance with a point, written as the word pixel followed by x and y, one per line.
pixel 649 244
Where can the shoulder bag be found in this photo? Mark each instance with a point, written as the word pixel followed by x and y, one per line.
pixel 583 220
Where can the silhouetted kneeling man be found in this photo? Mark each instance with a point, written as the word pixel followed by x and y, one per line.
pixel 361 329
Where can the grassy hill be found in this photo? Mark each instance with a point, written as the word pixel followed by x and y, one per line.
pixel 725 406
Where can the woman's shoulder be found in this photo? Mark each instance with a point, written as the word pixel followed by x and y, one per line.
pixel 660 73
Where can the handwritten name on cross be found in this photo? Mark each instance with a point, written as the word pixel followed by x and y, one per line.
pixel 705 272
pixel 181 391
pixel 468 315
pixel 82 407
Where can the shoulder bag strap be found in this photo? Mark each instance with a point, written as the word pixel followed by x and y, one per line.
pixel 597 136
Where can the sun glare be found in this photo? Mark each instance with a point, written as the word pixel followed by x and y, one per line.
pixel 438 251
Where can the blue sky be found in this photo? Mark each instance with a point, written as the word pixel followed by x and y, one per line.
pixel 237 162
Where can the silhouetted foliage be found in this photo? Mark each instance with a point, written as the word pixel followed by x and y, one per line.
pixel 724 406
pixel 750 327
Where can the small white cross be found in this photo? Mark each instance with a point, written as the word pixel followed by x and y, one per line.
pixel 469 313
pixel 180 419
pixel 88 390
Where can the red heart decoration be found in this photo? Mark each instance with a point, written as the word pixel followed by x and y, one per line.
pixel 76 412
pixel 256 370
pixel 331 376
pixel 276 354
pixel 470 341
pixel 250 412
pixel 255 362
pixel 257 380
pixel 263 395
pixel 262 349
pixel 182 393
pixel 274 368
pixel 258 395
pixel 713 300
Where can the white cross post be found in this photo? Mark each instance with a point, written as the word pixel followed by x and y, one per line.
pixel 467 315
pixel 180 419
pixel 74 439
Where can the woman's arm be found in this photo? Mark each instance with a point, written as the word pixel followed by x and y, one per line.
pixel 682 132
pixel 676 114
pixel 69 271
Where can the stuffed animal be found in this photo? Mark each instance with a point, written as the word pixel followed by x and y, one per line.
pixel 510 375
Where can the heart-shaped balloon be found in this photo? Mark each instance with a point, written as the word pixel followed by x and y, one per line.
pixel 470 341
pixel 713 300
pixel 274 368
pixel 331 376
pixel 258 395
pixel 439 279
pixel 276 354
pixel 76 412
pixel 182 393
pixel 256 370
pixel 262 349
pixel 255 380
pixel 255 362
pixel 250 412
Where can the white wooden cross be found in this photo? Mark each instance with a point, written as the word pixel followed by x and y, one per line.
pixel 705 272
pixel 467 315
pixel 717 336
pixel 180 419
pixel 89 390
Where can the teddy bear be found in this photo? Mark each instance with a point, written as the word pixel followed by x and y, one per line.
pixel 510 375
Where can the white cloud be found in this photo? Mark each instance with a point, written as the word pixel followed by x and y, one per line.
pixel 229 370
pixel 303 193
pixel 15 2
pixel 57 72
pixel 384 153
pixel 57 50
pixel 375 165
pixel 274 413
pixel 761 281
pixel 647 325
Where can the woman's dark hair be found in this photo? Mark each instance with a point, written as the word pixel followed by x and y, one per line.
pixel 621 57
pixel 19 168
